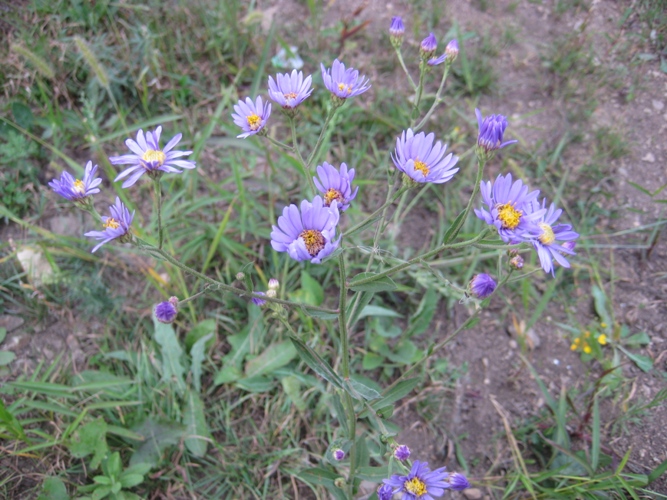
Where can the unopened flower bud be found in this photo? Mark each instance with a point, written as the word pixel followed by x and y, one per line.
pixel 274 284
pixel 385 492
pixel 569 245
pixel 166 312
pixel 458 481
pixel 482 285
pixel 516 262
pixel 338 454
pixel 396 31
pixel 452 51
pixel 271 292
pixel 257 301
pixel 340 482
pixel 240 276
pixel 428 46
pixel 402 452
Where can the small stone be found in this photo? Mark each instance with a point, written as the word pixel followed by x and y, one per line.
pixel 9 322
pixel 649 157
pixel 473 494
pixel 513 344
pixel 658 105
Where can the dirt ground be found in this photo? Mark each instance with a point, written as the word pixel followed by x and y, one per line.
pixel 495 368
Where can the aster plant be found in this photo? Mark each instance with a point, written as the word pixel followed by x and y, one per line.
pixel 116 226
pixel 344 83
pixel 74 189
pixel 422 160
pixel 251 116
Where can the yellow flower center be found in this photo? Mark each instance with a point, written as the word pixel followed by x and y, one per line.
pixel 509 216
pixel 331 195
pixel 422 167
pixel 151 156
pixel 415 486
pixel 291 95
pixel 346 88
pixel 314 241
pixel 111 223
pixel 254 121
pixel 79 186
pixel 547 237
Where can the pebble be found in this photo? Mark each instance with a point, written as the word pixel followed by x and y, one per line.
pixel 9 322
pixel 658 105
pixel 649 157
pixel 473 494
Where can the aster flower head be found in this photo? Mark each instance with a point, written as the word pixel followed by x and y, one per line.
pixel 547 244
pixel 421 483
pixel 115 227
pixel 148 158
pixel 510 209
pixel 458 481
pixel 74 189
pixel 402 452
pixel 385 492
pixel 336 185
pixel 290 90
pixel 481 286
pixel 428 46
pixel 166 312
pixel 308 232
pixel 251 116
pixel 344 83
pixel 491 131
pixel 257 301
pixel 421 160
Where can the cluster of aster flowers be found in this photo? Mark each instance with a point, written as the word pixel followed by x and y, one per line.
pixel 421 483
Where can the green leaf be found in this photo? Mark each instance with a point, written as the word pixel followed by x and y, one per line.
pixel 3 334
pixel 322 477
pixel 318 314
pixel 273 357
pixel 422 318
pixel 90 439
pixel 197 355
pixel 195 425
pixel 371 361
pixel 453 230
pixel 358 390
pixel 10 424
pixel 53 488
pixel 228 374
pixel 381 284
pixel 22 115
pixel 390 396
pixel 157 437
pixel 6 357
pixel 471 323
pixel 595 439
pixel 172 369
pixel 658 471
pixel 131 480
pixel 201 329
pixel 373 474
pixel 643 362
pixel 637 340
pixel 379 311
pixel 292 387
pixel 314 290
pixel 258 384
pixel 316 363
pixel 360 300
pixel 600 301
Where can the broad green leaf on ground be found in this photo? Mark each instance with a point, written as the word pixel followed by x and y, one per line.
pixel 194 419
pixel 172 368
pixel 53 488
pixel 90 439
pixel 273 357
pixel 157 437
pixel 292 387
pixel 381 284
pixel 197 355
pixel 201 329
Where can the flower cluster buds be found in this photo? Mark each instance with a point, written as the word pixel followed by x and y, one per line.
pixel 396 32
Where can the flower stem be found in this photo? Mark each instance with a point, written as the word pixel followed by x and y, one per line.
pixel 475 190
pixel 158 201
pixel 327 120
pixel 420 90
pixel 368 219
pixel 418 259
pixel 295 148
pixel 437 99
pixel 279 144
pixel 400 60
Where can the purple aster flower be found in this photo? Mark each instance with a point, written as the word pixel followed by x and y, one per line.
pixel 344 83
pixel 338 454
pixel 428 46
pixel 290 90
pixel 385 492
pixel 458 481
pixel 257 301
pixel 421 483
pixel 402 452
pixel 308 233
pixel 336 185
pixel 482 285
pixel 510 207
pixel 546 244
pixel 397 27
pixel 74 189
pixel 422 161
pixel 115 227
pixel 251 116
pixel 148 158
pixel 166 312
pixel 491 130
pixel 452 50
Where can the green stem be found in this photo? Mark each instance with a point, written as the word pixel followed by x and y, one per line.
pixel 158 201
pixel 400 60
pixel 279 144
pixel 368 219
pixel 475 190
pixel 306 166
pixel 342 322
pixel 352 427
pixel 437 99
pixel 420 90
pixel 418 259
pixel 227 288
pixel 313 154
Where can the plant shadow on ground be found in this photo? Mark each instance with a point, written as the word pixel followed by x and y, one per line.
pixel 510 401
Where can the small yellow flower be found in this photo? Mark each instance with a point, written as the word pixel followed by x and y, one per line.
pixel 603 325
pixel 573 347
pixel 602 339
pixel 587 349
